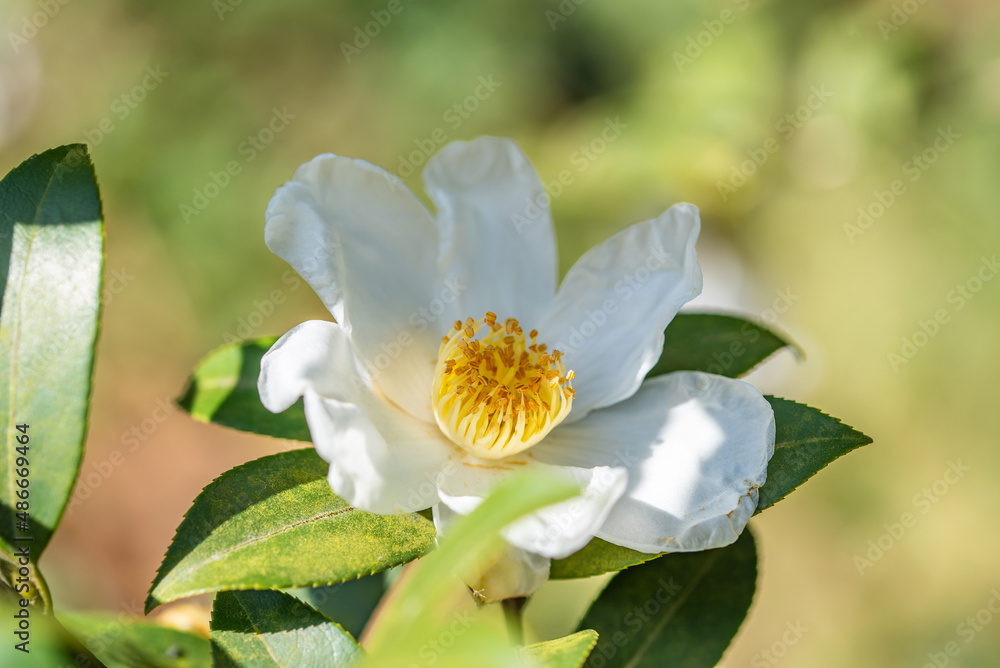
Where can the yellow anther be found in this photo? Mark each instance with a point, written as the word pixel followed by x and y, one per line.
pixel 496 395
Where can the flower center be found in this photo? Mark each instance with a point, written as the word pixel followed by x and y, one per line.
pixel 497 394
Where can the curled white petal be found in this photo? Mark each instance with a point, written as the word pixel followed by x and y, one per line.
pixel 696 447
pixel 381 458
pixel 495 227
pixel 368 247
pixel 611 309
pixel 307 357
pixel 555 531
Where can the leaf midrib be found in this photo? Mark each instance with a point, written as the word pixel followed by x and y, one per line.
pixel 812 439
pixel 16 337
pixel 182 573
pixel 681 600
pixel 258 632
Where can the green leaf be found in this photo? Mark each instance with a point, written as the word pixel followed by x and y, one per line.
pixel 597 557
pixel 806 440
pixel 568 652
pixel 681 610
pixel 223 390
pixel 51 254
pixel 132 643
pixel 274 523
pixel 418 610
pixel 49 644
pixel 349 603
pixel 270 629
pixel 719 344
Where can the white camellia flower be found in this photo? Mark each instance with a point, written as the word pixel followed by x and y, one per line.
pixel 455 361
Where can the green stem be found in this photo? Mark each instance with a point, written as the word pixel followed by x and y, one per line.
pixel 42 587
pixel 513 613
pixel 38 591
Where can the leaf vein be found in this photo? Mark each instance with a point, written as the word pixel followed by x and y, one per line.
pixel 257 631
pixel 681 600
pixel 182 573
pixel 16 338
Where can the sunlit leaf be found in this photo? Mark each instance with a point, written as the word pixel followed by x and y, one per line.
pixel 46 643
pixel 133 643
pixel 274 523
pixel 223 390
pixel 597 557
pixel 568 652
pixel 51 254
pixel 418 608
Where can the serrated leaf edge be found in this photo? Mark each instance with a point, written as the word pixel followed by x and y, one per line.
pixel 257 632
pixel 863 440
pixel 152 603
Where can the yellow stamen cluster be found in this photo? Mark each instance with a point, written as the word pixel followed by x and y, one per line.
pixel 500 393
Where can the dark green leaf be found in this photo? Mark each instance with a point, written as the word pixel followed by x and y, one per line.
pixel 223 390
pixel 51 254
pixel 350 603
pixel 568 652
pixel 270 629
pixel 680 610
pixel 719 344
pixel 132 643
pixel 274 523
pixel 805 441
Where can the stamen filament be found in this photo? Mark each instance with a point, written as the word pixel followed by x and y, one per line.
pixel 498 395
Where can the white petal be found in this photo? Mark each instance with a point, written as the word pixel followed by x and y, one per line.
pixel 513 573
pixel 696 447
pixel 611 309
pixel 555 531
pixel 308 356
pixel 368 247
pixel 381 458
pixel 496 230
pixel 385 469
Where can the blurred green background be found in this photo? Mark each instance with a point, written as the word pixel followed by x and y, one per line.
pixel 845 100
